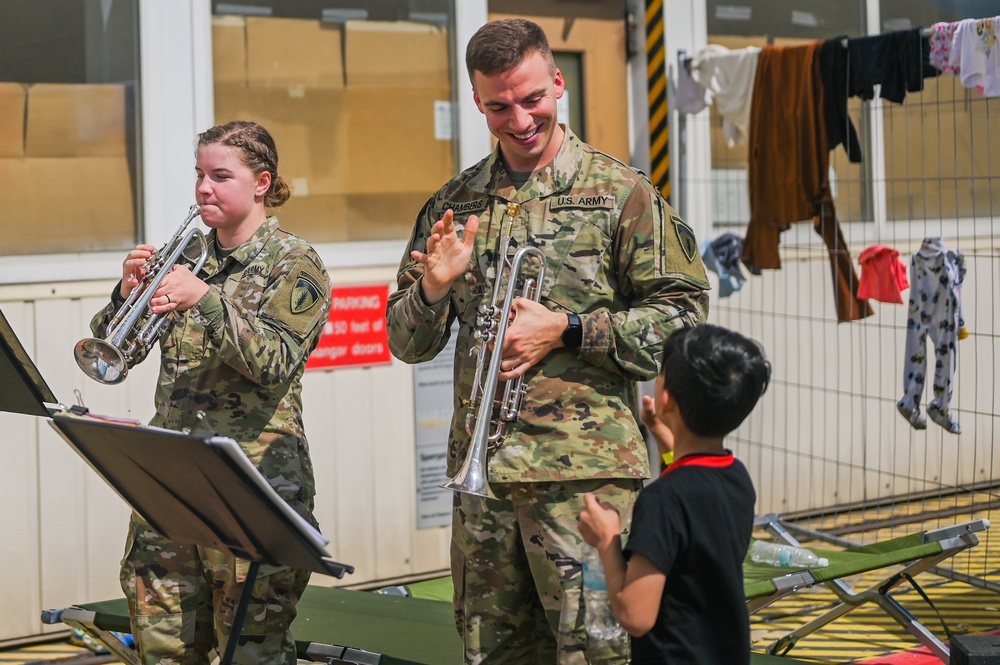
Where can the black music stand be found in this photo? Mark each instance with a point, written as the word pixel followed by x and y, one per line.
pixel 200 490
pixel 22 388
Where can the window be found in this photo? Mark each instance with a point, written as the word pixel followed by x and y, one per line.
pixel 68 149
pixel 357 96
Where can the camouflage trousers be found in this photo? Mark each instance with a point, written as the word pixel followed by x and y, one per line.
pixel 182 599
pixel 516 569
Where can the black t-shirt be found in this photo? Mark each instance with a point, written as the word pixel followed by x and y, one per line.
pixel 694 524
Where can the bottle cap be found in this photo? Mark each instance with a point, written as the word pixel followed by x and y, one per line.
pixel 822 562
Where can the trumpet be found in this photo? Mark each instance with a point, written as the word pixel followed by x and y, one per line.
pixel 107 360
pixel 489 417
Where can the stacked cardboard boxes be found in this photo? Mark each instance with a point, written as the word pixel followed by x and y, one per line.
pixel 351 108
pixel 64 162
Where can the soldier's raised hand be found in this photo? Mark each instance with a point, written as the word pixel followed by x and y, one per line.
pixel 447 257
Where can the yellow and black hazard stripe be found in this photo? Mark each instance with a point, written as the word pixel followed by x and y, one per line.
pixel 656 83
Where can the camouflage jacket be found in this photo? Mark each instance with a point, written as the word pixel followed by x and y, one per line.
pixel 616 254
pixel 238 355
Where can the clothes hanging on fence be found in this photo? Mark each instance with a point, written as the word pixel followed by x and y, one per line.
pixel 789 168
pixel 935 309
pixel 975 53
pixel 833 72
pixel 690 96
pixel 722 256
pixel 940 41
pixel 730 76
pixel 897 61
pixel 883 275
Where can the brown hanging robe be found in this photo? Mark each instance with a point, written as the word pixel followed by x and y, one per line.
pixel 789 168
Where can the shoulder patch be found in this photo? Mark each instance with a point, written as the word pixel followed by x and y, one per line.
pixel 685 236
pixel 305 293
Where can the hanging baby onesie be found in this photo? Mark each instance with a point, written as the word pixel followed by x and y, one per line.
pixel 883 275
pixel 936 309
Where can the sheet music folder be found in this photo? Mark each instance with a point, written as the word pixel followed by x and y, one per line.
pixel 22 388
pixel 200 490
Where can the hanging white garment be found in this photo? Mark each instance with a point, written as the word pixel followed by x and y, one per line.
pixel 729 74
pixel 975 52
pixel 691 97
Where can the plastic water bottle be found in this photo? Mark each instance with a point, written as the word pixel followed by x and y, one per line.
pixel 599 617
pixel 777 554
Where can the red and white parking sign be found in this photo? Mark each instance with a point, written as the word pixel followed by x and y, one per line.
pixel 355 333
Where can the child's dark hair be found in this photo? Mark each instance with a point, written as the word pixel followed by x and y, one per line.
pixel 716 375
pixel 257 152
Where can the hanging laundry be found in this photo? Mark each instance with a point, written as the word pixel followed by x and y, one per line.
pixel 833 73
pixel 690 96
pixel 730 76
pixel 789 169
pixel 940 41
pixel 935 309
pixel 975 53
pixel 898 61
pixel 722 256
pixel 883 275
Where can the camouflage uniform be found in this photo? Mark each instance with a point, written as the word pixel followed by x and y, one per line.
pixel 237 356
pixel 622 259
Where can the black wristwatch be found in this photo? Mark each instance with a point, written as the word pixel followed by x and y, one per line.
pixel 572 337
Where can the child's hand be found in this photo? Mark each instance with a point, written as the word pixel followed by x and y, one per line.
pixel 599 526
pixel 664 437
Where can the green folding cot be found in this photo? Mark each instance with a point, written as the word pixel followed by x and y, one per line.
pixel 336 625
pixel 901 558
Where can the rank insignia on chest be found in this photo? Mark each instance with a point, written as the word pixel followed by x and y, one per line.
pixel 305 294
pixel 685 237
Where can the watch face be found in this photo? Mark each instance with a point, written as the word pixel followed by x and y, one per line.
pixel 572 337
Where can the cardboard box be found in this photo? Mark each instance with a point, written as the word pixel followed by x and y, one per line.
pixel 309 129
pixel 316 217
pixel 293 53
pixel 395 53
pixel 75 120
pixel 383 216
pixel 229 49
pixel 351 217
pixel 92 208
pixel 12 100
pixel 392 143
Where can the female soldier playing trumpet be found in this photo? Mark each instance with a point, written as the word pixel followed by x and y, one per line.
pixel 241 332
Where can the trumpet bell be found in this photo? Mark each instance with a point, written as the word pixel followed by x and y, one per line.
pixel 100 360
pixel 471 480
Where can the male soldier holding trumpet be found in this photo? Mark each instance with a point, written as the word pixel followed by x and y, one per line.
pixel 622 272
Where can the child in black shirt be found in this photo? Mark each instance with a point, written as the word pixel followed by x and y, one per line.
pixel 678 586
